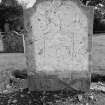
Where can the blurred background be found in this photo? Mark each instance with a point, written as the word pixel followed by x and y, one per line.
pixel 98 38
pixel 11 27
pixel 99 14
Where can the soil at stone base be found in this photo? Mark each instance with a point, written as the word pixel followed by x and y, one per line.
pixel 53 98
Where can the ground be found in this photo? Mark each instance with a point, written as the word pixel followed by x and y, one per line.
pixel 12 60
pixel 53 98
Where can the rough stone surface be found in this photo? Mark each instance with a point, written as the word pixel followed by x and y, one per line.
pixel 56 34
pixel 57 48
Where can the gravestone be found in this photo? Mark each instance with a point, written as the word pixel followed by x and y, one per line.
pixel 58 45
pixel 1 44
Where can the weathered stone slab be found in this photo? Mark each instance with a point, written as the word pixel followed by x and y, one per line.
pixel 58 44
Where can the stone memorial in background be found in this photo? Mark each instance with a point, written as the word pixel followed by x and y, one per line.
pixel 58 45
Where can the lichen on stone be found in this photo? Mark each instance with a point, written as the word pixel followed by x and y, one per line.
pixel 58 30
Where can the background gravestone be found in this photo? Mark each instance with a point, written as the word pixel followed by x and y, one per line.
pixel 58 44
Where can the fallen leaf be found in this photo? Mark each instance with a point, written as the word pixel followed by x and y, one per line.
pixel 80 97
pixel 91 97
pixel 14 101
pixel 21 95
pixel 87 103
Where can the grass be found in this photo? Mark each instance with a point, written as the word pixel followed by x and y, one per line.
pixel 12 60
